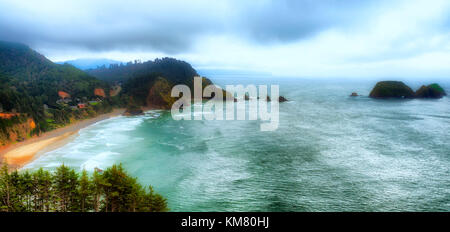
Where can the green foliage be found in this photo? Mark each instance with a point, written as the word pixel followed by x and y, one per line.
pixel 437 88
pixel 6 123
pixel 149 83
pixel 85 191
pixel 38 76
pixel 64 190
pixel 138 87
pixel 65 183
pixel 430 91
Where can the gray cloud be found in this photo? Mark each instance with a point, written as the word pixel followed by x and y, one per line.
pixel 107 26
pixel 287 20
pixel 170 27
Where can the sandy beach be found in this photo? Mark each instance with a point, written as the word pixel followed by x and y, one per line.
pixel 19 154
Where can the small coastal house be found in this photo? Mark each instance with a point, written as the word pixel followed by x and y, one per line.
pixel 63 95
pixel 99 92
pixel 81 106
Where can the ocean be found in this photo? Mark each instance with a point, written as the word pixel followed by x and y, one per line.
pixel 331 152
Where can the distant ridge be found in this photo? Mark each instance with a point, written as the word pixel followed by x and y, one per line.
pixel 90 63
pixel 231 72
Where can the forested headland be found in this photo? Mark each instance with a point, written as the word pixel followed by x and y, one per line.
pixel 37 95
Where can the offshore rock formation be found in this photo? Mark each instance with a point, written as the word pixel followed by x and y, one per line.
pixel 282 99
pixel 397 89
pixel 391 89
pixel 430 91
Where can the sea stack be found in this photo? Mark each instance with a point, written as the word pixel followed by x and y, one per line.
pixel 430 91
pixel 282 99
pixel 397 89
pixel 392 89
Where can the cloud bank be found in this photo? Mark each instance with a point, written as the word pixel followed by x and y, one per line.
pixel 292 37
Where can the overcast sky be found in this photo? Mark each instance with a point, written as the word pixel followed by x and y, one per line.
pixel 305 38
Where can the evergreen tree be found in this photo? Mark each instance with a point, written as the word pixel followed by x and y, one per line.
pixel 97 189
pixel 154 202
pixel 85 192
pixel 65 184
pixel 6 190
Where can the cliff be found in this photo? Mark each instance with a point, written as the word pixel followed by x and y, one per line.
pixel 16 129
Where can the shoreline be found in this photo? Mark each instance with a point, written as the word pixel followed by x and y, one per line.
pixel 19 154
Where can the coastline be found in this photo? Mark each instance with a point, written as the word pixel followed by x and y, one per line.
pixel 21 153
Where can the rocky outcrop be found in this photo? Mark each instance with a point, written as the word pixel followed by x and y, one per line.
pixel 397 89
pixel 354 94
pixel 267 99
pixel 18 130
pixel 430 91
pixel 282 99
pixel 133 110
pixel 391 89
pixel 115 90
pixel 159 94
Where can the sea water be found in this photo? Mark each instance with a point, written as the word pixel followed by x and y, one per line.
pixel 331 152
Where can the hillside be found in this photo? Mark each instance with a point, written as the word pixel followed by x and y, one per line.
pixel 150 83
pixel 31 70
pixel 173 70
pixel 34 88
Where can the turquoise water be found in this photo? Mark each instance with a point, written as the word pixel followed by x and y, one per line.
pixel 330 153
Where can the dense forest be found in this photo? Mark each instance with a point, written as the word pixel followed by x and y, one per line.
pixel 65 190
